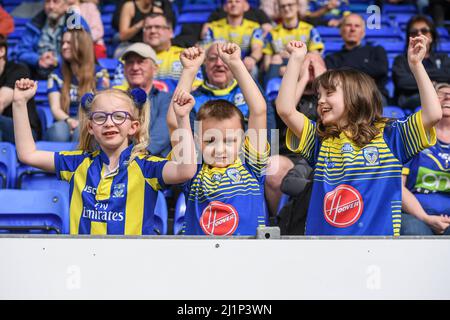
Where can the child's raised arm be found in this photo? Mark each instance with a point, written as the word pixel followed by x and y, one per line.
pixel 184 165
pixel 24 90
pixel 230 53
pixel 285 102
pixel 431 107
pixel 191 59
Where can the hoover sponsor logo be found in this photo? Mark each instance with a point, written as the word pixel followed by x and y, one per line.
pixel 343 206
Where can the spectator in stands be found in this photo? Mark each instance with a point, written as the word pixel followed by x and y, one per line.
pixel 131 23
pixel 290 28
pixel 10 72
pixel 426 180
pixel 40 45
pixel 158 34
pixel 140 68
pixel 327 12
pixel 219 83
pixel 306 101
pixel 252 14
pixel 6 22
pixel 235 28
pixel 437 65
pixel 440 11
pixel 366 58
pixel 91 14
pixel 77 75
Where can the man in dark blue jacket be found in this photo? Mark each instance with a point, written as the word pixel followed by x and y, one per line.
pixel 40 45
pixel 371 60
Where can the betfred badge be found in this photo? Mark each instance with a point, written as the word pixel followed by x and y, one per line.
pixel 343 206
pixel 219 219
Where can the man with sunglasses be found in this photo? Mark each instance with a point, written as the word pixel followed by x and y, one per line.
pixel 140 67
pixel 437 65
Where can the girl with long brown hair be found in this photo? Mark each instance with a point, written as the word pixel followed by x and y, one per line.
pixel 357 155
pixel 77 75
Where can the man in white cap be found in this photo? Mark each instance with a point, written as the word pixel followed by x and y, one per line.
pixel 139 69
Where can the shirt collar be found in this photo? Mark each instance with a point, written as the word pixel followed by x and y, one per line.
pixel 124 156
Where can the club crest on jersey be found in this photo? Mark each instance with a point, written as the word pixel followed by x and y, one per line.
pixel 217 177
pixel 234 175
pixel 119 190
pixel 343 206
pixel 372 156
pixel 347 148
pixel 219 219
pixel 177 66
pixel 239 99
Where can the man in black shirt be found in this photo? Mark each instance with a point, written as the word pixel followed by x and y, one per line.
pixel 366 58
pixel 10 72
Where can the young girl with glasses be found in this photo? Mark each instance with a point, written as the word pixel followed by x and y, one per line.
pixel 113 180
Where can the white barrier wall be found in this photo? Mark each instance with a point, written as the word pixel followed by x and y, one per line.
pixel 186 268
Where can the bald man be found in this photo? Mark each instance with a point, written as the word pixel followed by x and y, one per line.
pixel 366 58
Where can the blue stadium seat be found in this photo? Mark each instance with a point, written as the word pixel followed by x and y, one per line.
pixel 283 201
pixel 391 46
pixel 109 64
pixel 333 46
pixel 393 112
pixel 8 165
pixel 443 34
pixel 34 211
pixel 199 7
pixel 329 33
pixel 108 8
pixel 443 47
pixel 180 210
pixel 161 214
pixel 41 93
pixel 272 88
pixel 390 88
pixel 193 17
pixel 384 34
pixel 399 8
pixel 32 178
pixel 45 116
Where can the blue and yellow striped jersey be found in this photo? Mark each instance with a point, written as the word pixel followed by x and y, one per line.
pixel 228 201
pixel 121 202
pixel 277 39
pixel 357 191
pixel 428 178
pixel 246 35
pixel 170 67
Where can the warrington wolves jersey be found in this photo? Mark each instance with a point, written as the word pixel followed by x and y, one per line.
pixel 429 178
pixel 246 35
pixel 277 39
pixel 121 202
pixel 357 191
pixel 170 67
pixel 227 201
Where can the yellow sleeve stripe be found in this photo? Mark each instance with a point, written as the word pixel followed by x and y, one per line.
pixel 71 153
pixel 405 171
pixel 305 145
pixel 427 139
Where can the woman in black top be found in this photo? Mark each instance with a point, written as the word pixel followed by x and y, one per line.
pixel 437 65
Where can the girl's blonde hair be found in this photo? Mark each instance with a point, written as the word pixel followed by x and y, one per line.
pixel 83 55
pixel 141 138
pixel 362 103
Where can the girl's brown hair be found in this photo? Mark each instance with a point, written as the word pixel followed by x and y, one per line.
pixel 141 139
pixel 83 56
pixel 220 110
pixel 362 103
